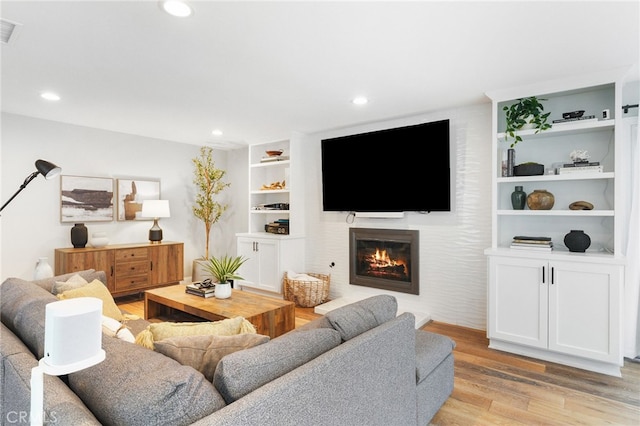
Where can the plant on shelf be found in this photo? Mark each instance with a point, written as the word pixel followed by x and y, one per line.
pixel 209 183
pixel 224 268
pixel 525 111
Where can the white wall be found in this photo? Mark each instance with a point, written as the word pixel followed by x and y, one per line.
pixel 452 264
pixel 31 226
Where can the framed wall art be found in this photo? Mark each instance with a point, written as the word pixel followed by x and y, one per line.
pixel 131 194
pixel 86 199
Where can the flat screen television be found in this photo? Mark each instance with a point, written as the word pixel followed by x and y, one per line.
pixel 403 169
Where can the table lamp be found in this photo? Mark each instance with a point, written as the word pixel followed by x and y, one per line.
pixel 155 209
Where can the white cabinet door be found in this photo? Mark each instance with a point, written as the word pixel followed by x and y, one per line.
pixel 584 310
pixel 518 300
pixel 250 270
pixel 262 269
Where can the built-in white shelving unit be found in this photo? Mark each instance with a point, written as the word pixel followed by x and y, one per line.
pixel 559 305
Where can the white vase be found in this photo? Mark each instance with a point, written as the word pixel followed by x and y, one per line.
pixel 43 269
pixel 99 239
pixel 223 291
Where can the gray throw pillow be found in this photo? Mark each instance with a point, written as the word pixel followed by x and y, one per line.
pixel 240 373
pixel 137 387
pixel 356 318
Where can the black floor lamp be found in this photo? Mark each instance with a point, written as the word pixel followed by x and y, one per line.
pixel 45 168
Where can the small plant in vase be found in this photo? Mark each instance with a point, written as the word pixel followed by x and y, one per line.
pixel 224 269
pixel 525 112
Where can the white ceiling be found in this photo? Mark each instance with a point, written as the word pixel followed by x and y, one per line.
pixel 259 70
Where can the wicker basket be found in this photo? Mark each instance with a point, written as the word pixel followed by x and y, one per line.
pixel 306 294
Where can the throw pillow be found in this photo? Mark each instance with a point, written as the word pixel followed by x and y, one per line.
pixel 164 330
pixel 240 373
pixel 134 386
pixel 356 318
pixel 96 289
pixel 204 352
pixel 75 281
pixel 114 328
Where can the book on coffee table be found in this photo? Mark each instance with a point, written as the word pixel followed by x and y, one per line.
pixel 200 293
pixel 200 289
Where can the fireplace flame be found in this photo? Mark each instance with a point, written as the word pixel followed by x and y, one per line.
pixel 381 260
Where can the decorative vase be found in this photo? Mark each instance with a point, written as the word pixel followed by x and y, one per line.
pixel 99 239
pixel 43 269
pixel 223 291
pixel 540 199
pixel 577 241
pixel 79 235
pixel 518 198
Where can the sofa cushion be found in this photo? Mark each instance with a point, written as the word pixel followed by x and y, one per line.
pixel 96 289
pixel 75 281
pixel 23 311
pixel 358 317
pixel 431 350
pixel 204 352
pixel 136 386
pixel 242 372
pixel 163 330
pixel 88 274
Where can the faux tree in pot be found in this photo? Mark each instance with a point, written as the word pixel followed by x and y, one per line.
pixel 209 183
pixel 527 111
pixel 224 269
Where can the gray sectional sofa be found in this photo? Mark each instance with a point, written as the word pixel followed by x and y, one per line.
pixel 358 365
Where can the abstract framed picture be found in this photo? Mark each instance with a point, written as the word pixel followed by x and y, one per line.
pixel 86 199
pixel 131 194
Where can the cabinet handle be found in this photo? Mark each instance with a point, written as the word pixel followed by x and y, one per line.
pixel 151 265
pixel 543 273
pixel 552 275
pixel 112 271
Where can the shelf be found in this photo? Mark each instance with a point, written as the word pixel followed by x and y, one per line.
pixel 574 213
pixel 271 164
pixel 269 211
pixel 587 257
pixel 269 191
pixel 564 129
pixel 556 178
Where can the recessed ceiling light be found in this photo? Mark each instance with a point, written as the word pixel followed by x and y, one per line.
pixel 177 8
pixel 50 96
pixel 360 100
pixel 217 132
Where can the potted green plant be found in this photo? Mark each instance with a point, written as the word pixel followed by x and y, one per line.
pixel 224 269
pixel 526 112
pixel 209 183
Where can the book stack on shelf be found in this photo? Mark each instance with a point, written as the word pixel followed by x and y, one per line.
pixel 574 120
pixel 280 226
pixel 522 242
pixel 580 167
pixel 203 289
pixel 270 159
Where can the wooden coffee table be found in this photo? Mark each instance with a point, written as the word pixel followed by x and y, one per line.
pixel 270 316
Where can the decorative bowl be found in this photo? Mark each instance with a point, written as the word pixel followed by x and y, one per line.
pixel 274 153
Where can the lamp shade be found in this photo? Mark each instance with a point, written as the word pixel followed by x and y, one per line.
pixel 47 169
pixel 155 209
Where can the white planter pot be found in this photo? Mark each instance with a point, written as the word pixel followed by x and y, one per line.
pixel 223 291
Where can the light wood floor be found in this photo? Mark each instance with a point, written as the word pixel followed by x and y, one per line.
pixel 497 388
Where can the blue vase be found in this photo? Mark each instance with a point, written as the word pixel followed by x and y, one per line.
pixel 518 198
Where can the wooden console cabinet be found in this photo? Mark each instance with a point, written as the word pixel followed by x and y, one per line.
pixel 130 268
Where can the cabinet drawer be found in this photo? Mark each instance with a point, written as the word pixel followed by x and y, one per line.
pixel 132 282
pixel 125 255
pixel 127 269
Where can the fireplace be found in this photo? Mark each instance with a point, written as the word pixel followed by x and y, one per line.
pixel 384 258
